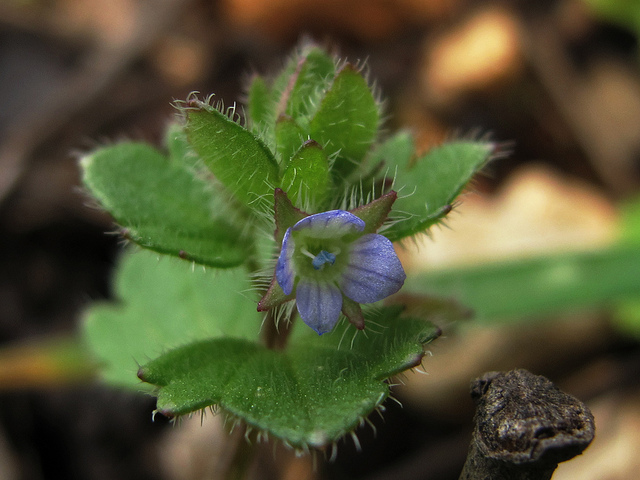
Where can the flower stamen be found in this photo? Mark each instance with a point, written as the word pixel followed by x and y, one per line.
pixel 322 258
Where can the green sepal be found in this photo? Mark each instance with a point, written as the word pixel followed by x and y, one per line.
pixel 306 179
pixel 162 206
pixel 164 303
pixel 289 139
pixel 375 212
pixel 285 213
pixel 347 121
pixel 237 158
pixel 308 395
pixel 428 187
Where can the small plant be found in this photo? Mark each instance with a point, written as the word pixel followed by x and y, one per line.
pixel 291 209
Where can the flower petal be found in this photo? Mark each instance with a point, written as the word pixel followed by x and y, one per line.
pixel 284 268
pixel 331 224
pixel 374 270
pixel 319 304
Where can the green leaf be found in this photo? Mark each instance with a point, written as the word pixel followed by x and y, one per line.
pixel 177 144
pixel 396 151
pixel 163 303
pixel 314 74
pixel 630 221
pixel 525 288
pixel 627 313
pixel 162 206
pixel 238 159
pixel 259 105
pixel 428 188
pixel 306 179
pixel 289 139
pixel 623 12
pixel 346 124
pixel 309 395
pixel 282 85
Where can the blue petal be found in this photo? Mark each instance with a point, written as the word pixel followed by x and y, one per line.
pixel 284 268
pixel 319 304
pixel 331 224
pixel 374 270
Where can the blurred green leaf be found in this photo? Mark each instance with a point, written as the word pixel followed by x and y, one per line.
pixel 237 158
pixel 396 151
pixel 528 287
pixel 427 188
pixel 623 12
pixel 313 393
pixel 627 313
pixel 162 206
pixel 164 303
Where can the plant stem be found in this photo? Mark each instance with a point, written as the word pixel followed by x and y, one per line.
pixel 275 334
pixel 524 427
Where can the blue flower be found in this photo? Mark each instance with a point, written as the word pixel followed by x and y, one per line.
pixel 332 266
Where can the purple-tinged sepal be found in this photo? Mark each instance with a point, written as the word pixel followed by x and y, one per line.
pixel 286 215
pixel 375 212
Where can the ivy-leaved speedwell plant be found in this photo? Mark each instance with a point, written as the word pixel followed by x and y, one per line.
pixel 291 211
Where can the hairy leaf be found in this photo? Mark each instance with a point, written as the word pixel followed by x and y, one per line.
pixel 309 395
pixel 162 206
pixel 163 304
pixel 237 158
pixel 428 188
pixel 346 123
pixel 306 179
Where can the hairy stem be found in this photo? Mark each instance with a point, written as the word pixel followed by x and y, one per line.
pixel 275 332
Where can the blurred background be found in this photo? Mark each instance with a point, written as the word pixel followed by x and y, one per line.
pixel 556 82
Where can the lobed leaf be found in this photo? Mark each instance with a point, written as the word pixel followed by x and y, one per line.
pixel 309 395
pixel 163 304
pixel 161 205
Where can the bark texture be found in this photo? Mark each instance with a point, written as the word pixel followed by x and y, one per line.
pixel 524 427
